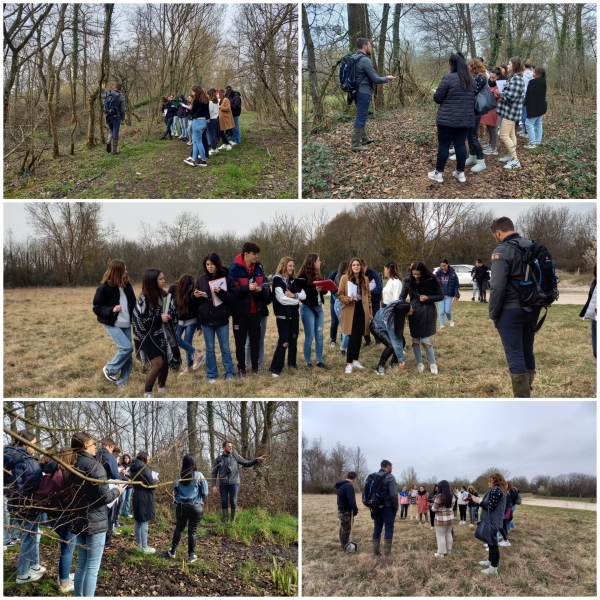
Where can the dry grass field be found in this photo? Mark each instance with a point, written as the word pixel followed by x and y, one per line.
pixel 553 553
pixel 54 347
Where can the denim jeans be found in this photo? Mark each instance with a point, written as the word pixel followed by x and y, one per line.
pixel 428 351
pixel 198 127
pixel 524 121
pixel 222 334
pixel 141 533
pixel 517 335
pixel 186 343
pixel 335 322
pixel 473 514
pixel 383 516
pixel 457 137
pixel 67 546
pixel 261 345
pixel 125 501
pixel 229 492
pixel 29 551
pixel 362 110
pixel 184 126
pixel 213 137
pixel 313 329
pixel 114 124
pixel 89 552
pixel 174 125
pixel 122 361
pixel 236 137
pixel 534 129
pixel 338 311
pixel 287 330
pixel 445 308
pixel 475 289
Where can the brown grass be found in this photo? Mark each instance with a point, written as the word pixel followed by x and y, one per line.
pixel 54 347
pixel 553 553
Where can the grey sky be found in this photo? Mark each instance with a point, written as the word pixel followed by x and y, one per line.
pixel 237 217
pixel 454 439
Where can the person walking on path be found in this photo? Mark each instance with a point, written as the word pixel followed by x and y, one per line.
pixel 448 279
pixel 114 111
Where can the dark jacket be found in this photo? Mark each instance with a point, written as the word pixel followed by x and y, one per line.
pixel 109 462
pixel 192 307
pixel 90 499
pixel 236 104
pixel 332 295
pixel 346 496
pixel 23 478
pixel 199 110
pixel 247 302
pixel 209 314
pixel 423 320
pixel 480 273
pixel 119 102
pixel 286 311
pixel 170 108
pixel 471 503
pixel 493 507
pixel 312 296
pixel 143 498
pixel 227 470
pixel 377 291
pixel 535 98
pixel 106 298
pixel 181 112
pixel 448 282
pixel 389 481
pixel 457 105
pixel 366 75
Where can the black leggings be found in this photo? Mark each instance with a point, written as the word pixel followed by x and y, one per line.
pixel 358 330
pixel 168 121
pixel 482 285
pixel 494 555
pixel 404 510
pixel 188 515
pixel 375 305
pixel 431 517
pixel 474 145
pixel 159 369
pixel 463 511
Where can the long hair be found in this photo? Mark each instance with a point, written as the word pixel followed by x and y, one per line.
pixel 143 456
pixel 215 259
pixel 476 67
pixel 182 292
pixel 425 274
pixel 200 94
pixel 309 269
pixel 116 274
pixel 150 287
pixel 359 278
pixel 471 490
pixel 394 271
pixel 77 445
pixel 123 459
pixel 188 466
pixel 446 493
pixel 517 63
pixel 282 267
pixel 342 267
pixel 498 479
pixel 212 95
pixel 459 65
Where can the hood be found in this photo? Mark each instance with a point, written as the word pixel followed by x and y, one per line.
pixel 239 260
pixel 50 467
pixel 339 484
pixel 182 98
pixel 136 466
pixel 13 455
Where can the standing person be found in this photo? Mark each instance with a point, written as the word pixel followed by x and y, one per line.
pixel 404 502
pixel 346 504
pixel 154 334
pixel 113 305
pixel 385 515
pixel 422 499
pixel 311 311
pixel 367 77
pixel 144 509
pixel 393 285
pixel 477 71
pixel 527 77
pixel 589 311
pixel 413 501
pixel 337 305
pixel 126 497
pixel 535 106
pixel 106 458
pixel 114 110
pixel 481 275
pixel 424 290
pixel 215 303
pixel 182 116
pixel 455 116
pixel 287 316
pixel 430 498
pixel 190 489
pixel 264 318
pixel 510 107
pixel 513 493
pixel 335 319
pixel 169 110
pixel 375 290
pixel 515 326
pixel 357 312
pixel 22 477
pixel 90 513
pixel 188 112
pixel 448 280
pixel 493 504
pixel 226 474
pixel 199 115
pixel 473 506
pixel 444 518
pixel 463 500
pixel 251 294
pixel 235 100
pixel 388 328
pixel 213 124
pixel 226 122
pixel 490 119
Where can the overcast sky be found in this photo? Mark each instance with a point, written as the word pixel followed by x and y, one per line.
pixel 236 217
pixel 454 439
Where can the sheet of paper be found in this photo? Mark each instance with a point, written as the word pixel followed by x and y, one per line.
pixel 221 282
pixel 372 284
pixel 352 289
pixel 154 474
pixel 112 486
pixel 501 83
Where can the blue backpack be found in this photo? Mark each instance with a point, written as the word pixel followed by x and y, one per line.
pixel 374 493
pixel 109 106
pixel 348 77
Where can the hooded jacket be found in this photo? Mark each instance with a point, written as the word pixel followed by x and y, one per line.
pixel 105 300
pixel 346 497
pixel 236 104
pixel 109 462
pixel 448 282
pixel 457 105
pixel 209 314
pixel 247 302
pixel 119 102
pixel 422 502
pixel 143 498
pixel 389 481
pixel 422 322
pixel 226 468
pixel 388 326
pixel 181 112
pixel 24 477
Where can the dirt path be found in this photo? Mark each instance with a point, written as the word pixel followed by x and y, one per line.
pixel 560 504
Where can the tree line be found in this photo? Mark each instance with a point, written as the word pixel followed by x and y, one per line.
pixel 69 244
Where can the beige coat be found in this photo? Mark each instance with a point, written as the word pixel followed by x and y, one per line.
pixel 225 117
pixel 348 305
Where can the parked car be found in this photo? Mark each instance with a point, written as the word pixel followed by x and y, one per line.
pixel 463 272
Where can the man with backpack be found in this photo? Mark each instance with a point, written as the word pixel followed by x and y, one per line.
pixel 236 110
pixel 108 460
pixel 114 110
pixel 516 298
pixel 346 503
pixel 365 78
pixel 381 496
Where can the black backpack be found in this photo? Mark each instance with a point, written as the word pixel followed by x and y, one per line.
pixel 109 106
pixel 236 102
pixel 539 286
pixel 348 77
pixel 374 493
pixel 51 493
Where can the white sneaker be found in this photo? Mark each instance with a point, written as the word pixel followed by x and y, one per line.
pixel 332 344
pixel 452 157
pixel 442 326
pixel 162 390
pixel 505 159
pixel 190 143
pixel 471 525
pixel 274 375
pixel 452 325
pixel 460 176
pixel 439 555
pixel 490 571
pixel 348 369
pixel 380 370
pixel 233 143
pixel 435 176
pixel 70 587
pixel 357 365
pixel 485 563
pixel 148 550
pixel 29 577
pixel 504 543
pixel 148 395
pixel 189 160
pixel 37 569
pixel 420 368
pixel 513 164
pixel 212 381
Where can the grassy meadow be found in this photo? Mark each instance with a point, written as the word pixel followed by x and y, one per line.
pixel 552 553
pixel 54 347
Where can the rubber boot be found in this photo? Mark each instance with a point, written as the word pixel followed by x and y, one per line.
pixel 480 166
pixel 344 537
pixel 233 514
pixel 376 546
pixel 520 386
pixel 387 547
pixel 115 149
pixel 472 160
pixel 108 148
pixel 225 513
pixel 531 376
pixel 356 137
pixel 365 139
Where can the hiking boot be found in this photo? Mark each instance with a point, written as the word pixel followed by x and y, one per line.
pixel 225 515
pixel 364 138
pixel 531 376
pixel 513 164
pixel 520 386
pixel 376 546
pixel 480 166
pixel 435 176
pixel 233 514
pixel 472 160
pixel 108 148
pixel 115 145
pixel 387 547
pixel 460 176
pixel 356 140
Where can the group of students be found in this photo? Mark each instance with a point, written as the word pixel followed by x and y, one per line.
pixel 520 99
pixel 79 491
pixel 441 504
pixel 203 119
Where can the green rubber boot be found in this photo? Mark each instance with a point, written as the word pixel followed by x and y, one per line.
pixel 365 139
pixel 225 513
pixel 520 386
pixel 356 140
pixel 376 546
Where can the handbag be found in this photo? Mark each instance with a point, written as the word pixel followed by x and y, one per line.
pixel 485 101
pixel 486 531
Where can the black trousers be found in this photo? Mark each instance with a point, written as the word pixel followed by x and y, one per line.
pixel 112 516
pixel 168 122
pixel 447 136
pixel 404 511
pixel 431 517
pixel 463 511
pixel 474 145
pixel 482 286
pixel 288 330
pixel 187 515
pixel 243 327
pixel 358 330
pixel 494 555
pixel 375 306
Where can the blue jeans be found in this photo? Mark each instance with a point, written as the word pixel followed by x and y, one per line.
pixel 222 334
pixel 517 335
pixel 89 552
pixel 445 308
pixel 313 329
pixel 67 546
pixel 362 109
pixel 184 126
pixel 261 345
pixel 213 137
pixel 122 361
pixel 174 125
pixel 475 289
pixel 198 127
pixel 141 533
pixel 335 322
pixel 186 343
pixel 524 120
pixel 114 124
pixel 338 312
pixel 29 551
pixel 229 492
pixel 383 516
pixel 236 137
pixel 428 351
pixel 125 500
pixel 534 129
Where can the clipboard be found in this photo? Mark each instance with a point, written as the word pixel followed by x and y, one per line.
pixel 352 290
pixel 327 285
pixel 501 83
pixel 222 283
pixel 297 285
pixel 372 285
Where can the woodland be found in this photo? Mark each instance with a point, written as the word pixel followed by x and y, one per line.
pixel 57 56
pixel 413 43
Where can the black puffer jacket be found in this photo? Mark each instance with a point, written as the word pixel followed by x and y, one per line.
pixel 181 112
pixel 143 498
pixel 457 105
pixel 106 298
pixel 208 314
pixel 192 307
pixel 90 499
pixel 423 320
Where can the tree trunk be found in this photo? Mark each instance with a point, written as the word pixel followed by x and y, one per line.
pixel 381 55
pixel 496 41
pixel 470 36
pixel 579 50
pixel 73 72
pixel 244 428
pixel 312 69
pixel 192 417
pixel 52 110
pixel 265 440
pixel 357 24
pixel 210 419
